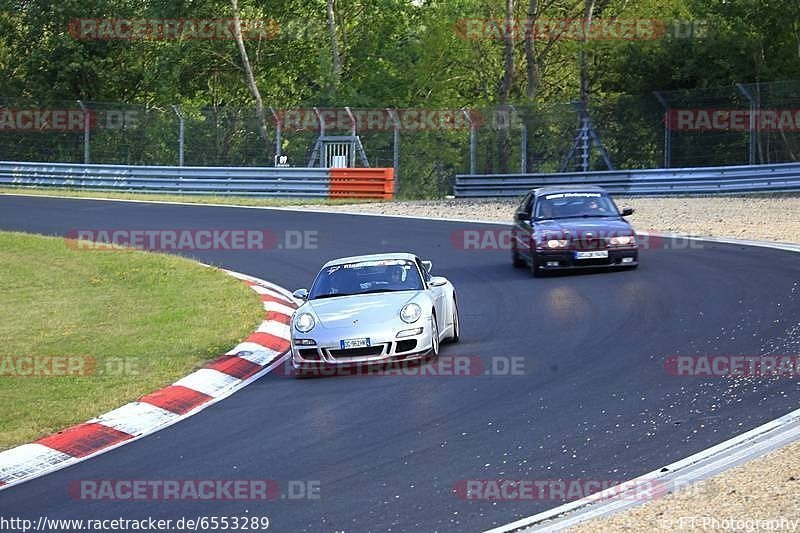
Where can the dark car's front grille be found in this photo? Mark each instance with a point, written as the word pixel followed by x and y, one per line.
pixel 590 243
pixel 367 351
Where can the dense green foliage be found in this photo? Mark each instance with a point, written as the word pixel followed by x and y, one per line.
pixel 399 53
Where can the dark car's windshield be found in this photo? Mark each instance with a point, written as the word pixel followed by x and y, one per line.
pixel 574 204
pixel 385 275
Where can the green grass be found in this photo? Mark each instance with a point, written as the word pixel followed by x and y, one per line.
pixel 189 198
pixel 147 320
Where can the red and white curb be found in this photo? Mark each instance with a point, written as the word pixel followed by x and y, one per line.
pixel 262 351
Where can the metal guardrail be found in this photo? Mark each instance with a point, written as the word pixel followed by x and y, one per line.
pixel 703 180
pixel 222 181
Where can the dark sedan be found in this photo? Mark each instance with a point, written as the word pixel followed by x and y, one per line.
pixel 573 227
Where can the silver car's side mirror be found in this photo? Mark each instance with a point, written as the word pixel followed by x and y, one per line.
pixel 428 266
pixel 437 281
pixel 300 294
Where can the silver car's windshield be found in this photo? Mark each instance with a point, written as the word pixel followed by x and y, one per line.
pixel 384 275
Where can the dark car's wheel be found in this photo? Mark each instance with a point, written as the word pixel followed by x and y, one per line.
pixel 517 259
pixel 535 270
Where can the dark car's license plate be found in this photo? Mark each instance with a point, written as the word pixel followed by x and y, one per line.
pixel 594 254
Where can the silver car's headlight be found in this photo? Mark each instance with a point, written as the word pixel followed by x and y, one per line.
pixel 410 313
pixel 304 322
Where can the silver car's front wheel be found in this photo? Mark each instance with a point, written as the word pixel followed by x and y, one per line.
pixel 434 337
pixel 456 324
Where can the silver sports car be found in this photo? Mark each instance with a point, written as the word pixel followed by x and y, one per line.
pixel 373 309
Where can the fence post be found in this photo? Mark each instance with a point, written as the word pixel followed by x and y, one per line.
pixel 473 142
pixel 278 130
pixel 352 155
pixel 751 128
pixel 395 149
pixel 523 143
pixel 667 129
pixel 180 134
pixel 86 124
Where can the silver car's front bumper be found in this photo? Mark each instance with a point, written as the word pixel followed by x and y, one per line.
pixel 385 346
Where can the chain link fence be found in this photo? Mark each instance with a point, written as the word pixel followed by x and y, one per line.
pixel 737 125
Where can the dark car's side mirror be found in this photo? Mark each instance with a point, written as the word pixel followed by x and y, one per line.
pixel 522 215
pixel 300 294
pixel 627 211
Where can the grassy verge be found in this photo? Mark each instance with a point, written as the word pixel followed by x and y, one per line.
pixel 188 198
pixel 134 321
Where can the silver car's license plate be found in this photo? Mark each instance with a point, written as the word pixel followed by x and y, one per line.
pixel 594 254
pixel 354 343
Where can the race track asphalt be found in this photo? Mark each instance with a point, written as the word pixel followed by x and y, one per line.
pixel 593 401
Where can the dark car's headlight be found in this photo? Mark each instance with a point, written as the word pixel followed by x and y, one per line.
pixel 622 240
pixel 557 243
pixel 304 322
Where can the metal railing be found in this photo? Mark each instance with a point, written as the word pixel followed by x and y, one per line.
pixel 704 180
pixel 221 181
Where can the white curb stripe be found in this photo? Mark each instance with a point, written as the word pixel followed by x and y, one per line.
pixel 268 292
pixel 276 307
pixel 261 357
pixel 136 418
pixel 208 381
pixel 247 347
pixel 22 461
pixel 275 328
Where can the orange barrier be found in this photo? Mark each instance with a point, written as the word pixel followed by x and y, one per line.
pixel 362 183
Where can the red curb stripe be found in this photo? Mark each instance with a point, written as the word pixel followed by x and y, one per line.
pixel 176 398
pixel 278 317
pixel 270 341
pixel 235 366
pixel 84 439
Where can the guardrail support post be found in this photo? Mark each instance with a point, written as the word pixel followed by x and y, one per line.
pixel 752 123
pixel 86 124
pixel 180 134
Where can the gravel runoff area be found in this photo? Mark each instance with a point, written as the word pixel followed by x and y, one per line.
pixel 761 495
pixel 773 218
